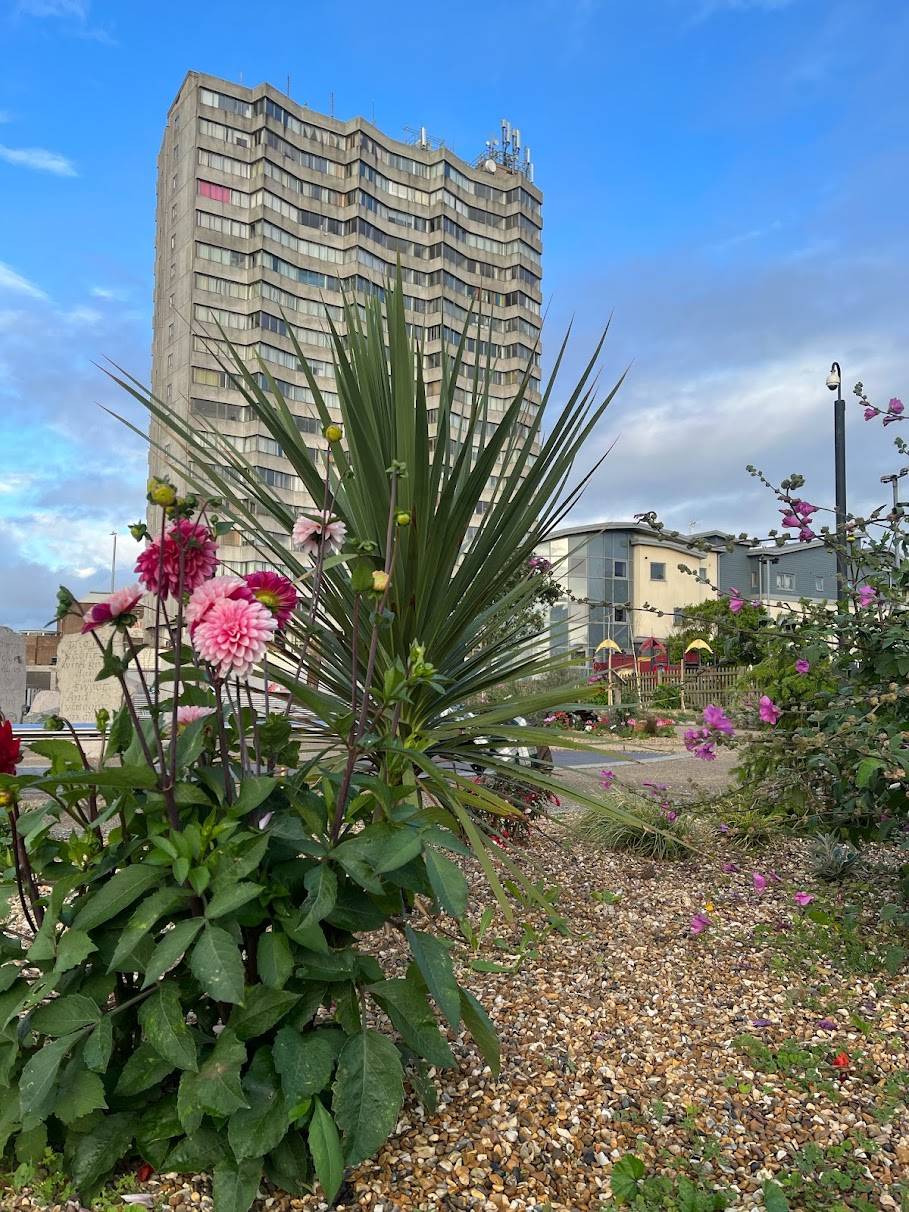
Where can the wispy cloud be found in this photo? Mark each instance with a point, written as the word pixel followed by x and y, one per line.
pixel 40 159
pixel 5 116
pixel 108 293
pixel 54 8
pixel 707 8
pixel 13 281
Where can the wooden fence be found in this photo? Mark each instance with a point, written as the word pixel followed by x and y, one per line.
pixel 697 688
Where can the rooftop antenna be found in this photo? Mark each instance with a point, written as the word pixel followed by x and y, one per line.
pixel 331 102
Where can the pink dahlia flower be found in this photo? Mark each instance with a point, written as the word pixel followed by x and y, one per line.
pixel 309 533
pixel 199 559
pixel 121 603
pixel 234 635
pixel 204 596
pixel 274 592
pixel 189 715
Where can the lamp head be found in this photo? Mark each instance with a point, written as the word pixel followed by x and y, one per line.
pixel 834 379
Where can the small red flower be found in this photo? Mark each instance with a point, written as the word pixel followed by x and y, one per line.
pixel 144 1172
pixel 841 1060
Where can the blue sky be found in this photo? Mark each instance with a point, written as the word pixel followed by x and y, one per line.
pixel 727 178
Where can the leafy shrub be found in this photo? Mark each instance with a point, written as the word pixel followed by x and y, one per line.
pixel 645 830
pixel 666 697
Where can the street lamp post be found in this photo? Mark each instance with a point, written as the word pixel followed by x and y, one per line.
pixel 893 481
pixel 835 383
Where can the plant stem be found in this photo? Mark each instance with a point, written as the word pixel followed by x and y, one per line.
pixel 222 743
pixel 23 865
pixel 255 728
pixel 241 729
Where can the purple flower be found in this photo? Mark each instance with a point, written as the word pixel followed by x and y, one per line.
pixel 768 710
pixel 699 923
pixel 607 778
pixel 762 1022
pixel 871 413
pixel 895 407
pixel 735 602
pixel 716 718
pixel 802 666
pixel 806 534
pixel 867 595
pixel 759 881
pixel 724 828
pixel 804 508
pixel 731 868
pixel 826 1024
pixel 789 518
pixel 670 815
pixel 803 899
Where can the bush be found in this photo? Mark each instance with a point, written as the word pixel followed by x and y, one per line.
pixel 833 860
pixel 666 697
pixel 645 830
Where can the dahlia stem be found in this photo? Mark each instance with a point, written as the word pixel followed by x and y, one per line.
pixel 158 601
pixel 222 743
pixel 241 728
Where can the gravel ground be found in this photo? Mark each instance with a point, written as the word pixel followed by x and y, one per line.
pixel 620 1039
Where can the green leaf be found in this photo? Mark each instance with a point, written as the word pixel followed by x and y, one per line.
pixel 73 947
pixel 99 1045
pixel 165 900
pixel 322 888
pixel 216 964
pixel 412 1016
pixel 235 1186
pixel 253 791
pixel 866 770
pixel 9 974
pixel 332 966
pixel 65 1015
pixel 774 1199
pixel 97 1152
pixel 448 883
pixel 325 1147
pixel 79 1094
pixel 171 949
pixel 259 1127
pixel 196 1153
pixel 216 1087
pixel 260 1011
pixel 625 1178
pixel 232 897
pixel 480 1026
pixel 164 1025
pixel 9 1117
pixel 157 1127
pixel 289 1167
pixel 368 1092
pixel 305 1060
pixel 38 1078
pixel 274 959
pixel 144 1069
pixel 124 887
pixel 434 961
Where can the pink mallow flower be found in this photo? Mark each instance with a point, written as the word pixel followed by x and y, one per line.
pixel 189 715
pixel 759 881
pixel 205 595
pixel 802 666
pixel 717 719
pixel 200 560
pixel 607 778
pixel 803 899
pixel 274 592
pixel 735 602
pixel 871 413
pixel 768 710
pixel 867 595
pixel 119 604
pixel 234 635
pixel 895 407
pixel 309 533
pixel 699 923
pixel 699 743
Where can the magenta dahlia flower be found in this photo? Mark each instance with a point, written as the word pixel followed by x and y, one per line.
pixel 204 596
pixel 121 603
pixel 274 592
pixel 200 560
pixel 309 533
pixel 234 635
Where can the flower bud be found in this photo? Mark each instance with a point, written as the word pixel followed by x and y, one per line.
pixel 380 581
pixel 139 531
pixel 402 517
pixel 160 492
pixel 53 723
pixel 7 799
pixel 333 433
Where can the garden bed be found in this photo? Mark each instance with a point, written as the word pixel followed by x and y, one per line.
pixel 707 1057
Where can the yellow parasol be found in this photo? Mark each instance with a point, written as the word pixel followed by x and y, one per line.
pixel 608 644
pixel 699 645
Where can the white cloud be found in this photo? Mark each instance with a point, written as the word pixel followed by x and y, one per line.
pixel 87 316
pixel 40 159
pixel 10 280
pixel 708 7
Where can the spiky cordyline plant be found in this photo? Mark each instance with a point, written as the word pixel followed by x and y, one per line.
pixel 447 594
